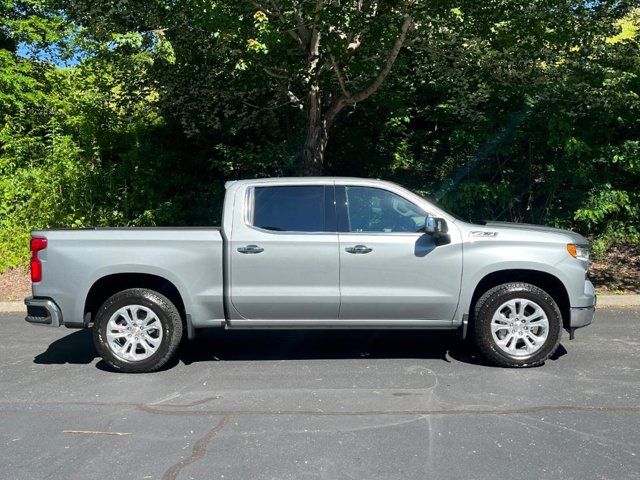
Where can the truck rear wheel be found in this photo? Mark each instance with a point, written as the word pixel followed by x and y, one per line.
pixel 517 325
pixel 137 330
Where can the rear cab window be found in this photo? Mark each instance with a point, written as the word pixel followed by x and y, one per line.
pixel 299 208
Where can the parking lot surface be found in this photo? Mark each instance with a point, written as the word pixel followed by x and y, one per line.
pixel 321 404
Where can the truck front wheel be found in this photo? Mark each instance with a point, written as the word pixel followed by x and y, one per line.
pixel 517 325
pixel 137 330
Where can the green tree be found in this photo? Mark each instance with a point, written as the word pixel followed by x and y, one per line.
pixel 135 113
pixel 312 60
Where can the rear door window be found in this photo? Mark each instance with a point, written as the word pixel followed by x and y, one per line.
pixel 293 208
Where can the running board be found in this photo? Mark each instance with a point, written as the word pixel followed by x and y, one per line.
pixel 339 324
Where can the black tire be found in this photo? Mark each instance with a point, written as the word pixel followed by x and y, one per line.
pixel 487 305
pixel 167 315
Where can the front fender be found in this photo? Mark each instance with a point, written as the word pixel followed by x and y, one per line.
pixel 484 258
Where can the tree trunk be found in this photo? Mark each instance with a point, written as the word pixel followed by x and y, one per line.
pixel 319 122
pixel 314 148
pixel 317 135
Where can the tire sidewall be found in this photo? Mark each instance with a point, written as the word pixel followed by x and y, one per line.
pixel 147 299
pixel 487 310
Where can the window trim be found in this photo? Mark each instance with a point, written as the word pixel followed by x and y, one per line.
pixel 249 199
pixel 343 213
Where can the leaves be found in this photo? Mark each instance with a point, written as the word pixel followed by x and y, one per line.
pixel 135 113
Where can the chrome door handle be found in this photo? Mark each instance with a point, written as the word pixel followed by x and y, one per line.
pixel 251 249
pixel 358 249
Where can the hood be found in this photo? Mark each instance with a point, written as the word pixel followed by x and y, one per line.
pixel 527 227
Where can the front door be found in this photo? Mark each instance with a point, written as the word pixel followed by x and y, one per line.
pixel 284 254
pixel 389 268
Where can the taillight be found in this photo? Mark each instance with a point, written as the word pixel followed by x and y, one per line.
pixel 36 244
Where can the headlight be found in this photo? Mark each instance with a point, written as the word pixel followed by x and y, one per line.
pixel 581 252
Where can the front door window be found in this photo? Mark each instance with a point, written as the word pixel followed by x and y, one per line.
pixel 379 211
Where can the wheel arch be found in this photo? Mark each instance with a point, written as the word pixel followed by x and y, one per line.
pixel 544 280
pixel 109 285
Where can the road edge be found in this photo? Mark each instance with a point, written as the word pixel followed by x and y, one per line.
pixel 12 307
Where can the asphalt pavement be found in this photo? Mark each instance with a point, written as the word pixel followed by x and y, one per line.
pixel 321 404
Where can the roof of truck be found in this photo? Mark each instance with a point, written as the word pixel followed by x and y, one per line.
pixel 296 180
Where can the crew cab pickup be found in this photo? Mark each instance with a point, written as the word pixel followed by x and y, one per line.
pixel 296 253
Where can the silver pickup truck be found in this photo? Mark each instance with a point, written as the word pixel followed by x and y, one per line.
pixel 314 253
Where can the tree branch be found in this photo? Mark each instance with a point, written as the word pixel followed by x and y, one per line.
pixel 273 74
pixel 299 33
pixel 354 40
pixel 313 55
pixel 341 81
pixel 407 24
pixel 294 100
pixel 346 99
pixel 333 111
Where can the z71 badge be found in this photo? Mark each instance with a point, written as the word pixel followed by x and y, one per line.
pixel 482 233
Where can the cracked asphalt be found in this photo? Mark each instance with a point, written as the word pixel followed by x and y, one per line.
pixel 321 404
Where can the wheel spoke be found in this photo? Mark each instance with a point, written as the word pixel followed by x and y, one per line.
pixel 537 313
pixel 538 340
pixel 126 315
pixel 496 327
pixel 528 344
pixel 154 342
pixel 116 335
pixel 150 323
pixel 134 309
pixel 117 329
pixel 142 344
pixel 539 323
pixel 124 350
pixel 506 340
pixel 132 350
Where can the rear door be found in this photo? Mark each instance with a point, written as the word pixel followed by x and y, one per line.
pixel 284 254
pixel 390 268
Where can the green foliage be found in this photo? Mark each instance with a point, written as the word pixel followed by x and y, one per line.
pixel 86 146
pixel 510 110
pixel 514 125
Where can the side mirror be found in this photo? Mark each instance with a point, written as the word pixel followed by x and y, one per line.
pixel 435 226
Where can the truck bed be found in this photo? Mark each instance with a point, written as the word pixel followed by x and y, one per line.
pixel 190 258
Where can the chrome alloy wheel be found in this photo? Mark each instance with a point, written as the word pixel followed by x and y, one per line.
pixel 134 333
pixel 520 327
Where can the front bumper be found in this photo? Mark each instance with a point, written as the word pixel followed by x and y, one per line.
pixel 582 316
pixel 43 311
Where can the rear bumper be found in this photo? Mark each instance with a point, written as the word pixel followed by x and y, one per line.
pixel 43 311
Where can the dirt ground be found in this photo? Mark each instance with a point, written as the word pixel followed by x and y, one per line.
pixel 617 273
pixel 15 284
